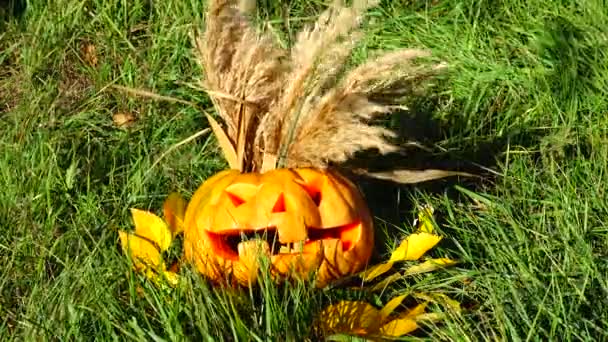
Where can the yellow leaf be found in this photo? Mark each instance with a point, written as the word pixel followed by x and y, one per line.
pixel 386 282
pixel 429 266
pixel 163 277
pixel 225 143
pixel 414 246
pixel 123 119
pixel 391 306
pixel 398 327
pixel 415 311
pixel 405 323
pixel 424 223
pixel 172 278
pixel 350 317
pixel 152 227
pixel 440 298
pixel 89 54
pixel 143 252
pixel 174 210
pixel 376 271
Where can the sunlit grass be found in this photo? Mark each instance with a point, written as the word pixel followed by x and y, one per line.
pixel 525 96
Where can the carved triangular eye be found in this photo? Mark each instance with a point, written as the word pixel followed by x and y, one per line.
pixel 236 200
pixel 279 205
pixel 241 192
pixel 316 197
pixel 313 189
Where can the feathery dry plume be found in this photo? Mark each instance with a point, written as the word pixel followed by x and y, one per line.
pixel 247 6
pixel 243 74
pixel 300 107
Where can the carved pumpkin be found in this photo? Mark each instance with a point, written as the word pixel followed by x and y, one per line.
pixel 304 220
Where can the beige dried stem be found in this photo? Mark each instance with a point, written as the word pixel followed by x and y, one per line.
pixel 301 107
pixel 243 74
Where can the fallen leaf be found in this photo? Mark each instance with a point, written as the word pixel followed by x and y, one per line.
pixel 392 304
pixel 350 317
pixel 441 299
pixel 152 236
pixel 404 323
pixel 361 318
pixel 429 266
pixel 163 277
pixel 414 246
pixel 172 278
pixel 385 282
pixel 415 311
pixel 143 252
pixel 399 327
pixel 89 54
pixel 424 221
pixel 174 210
pixel 377 270
pixel 152 227
pixel 123 119
pixel 431 316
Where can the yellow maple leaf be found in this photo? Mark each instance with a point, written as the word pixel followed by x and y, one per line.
pixel 405 323
pixel 429 265
pixel 152 227
pixel 441 299
pixel 152 236
pixel 363 319
pixel 144 253
pixel 389 307
pixel 424 222
pixel 399 327
pixel 162 277
pixel 414 246
pixel 350 317
pixel 376 270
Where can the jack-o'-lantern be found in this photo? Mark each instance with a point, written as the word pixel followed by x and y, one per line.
pixel 304 220
pixel 288 114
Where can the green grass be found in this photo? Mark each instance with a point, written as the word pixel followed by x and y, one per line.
pixel 526 95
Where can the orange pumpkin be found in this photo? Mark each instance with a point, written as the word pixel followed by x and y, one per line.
pixel 304 220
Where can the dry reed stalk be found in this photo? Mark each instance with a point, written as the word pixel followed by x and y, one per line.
pixel 301 107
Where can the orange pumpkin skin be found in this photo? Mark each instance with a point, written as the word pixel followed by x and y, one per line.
pixel 306 220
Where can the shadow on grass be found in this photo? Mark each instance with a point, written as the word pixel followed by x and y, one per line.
pixel 11 9
pixel 390 201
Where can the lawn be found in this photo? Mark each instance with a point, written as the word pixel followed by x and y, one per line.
pixel 523 104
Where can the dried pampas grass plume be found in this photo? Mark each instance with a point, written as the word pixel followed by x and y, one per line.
pixel 301 107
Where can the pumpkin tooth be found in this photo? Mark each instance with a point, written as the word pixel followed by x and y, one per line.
pixel 298 247
pixel 284 249
pixel 292 247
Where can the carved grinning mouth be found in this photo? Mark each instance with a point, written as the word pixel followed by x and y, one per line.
pixel 226 243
